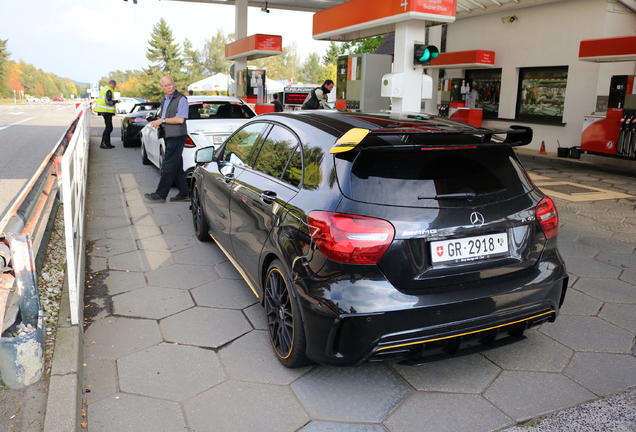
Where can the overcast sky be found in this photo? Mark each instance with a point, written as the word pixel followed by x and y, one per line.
pixel 86 39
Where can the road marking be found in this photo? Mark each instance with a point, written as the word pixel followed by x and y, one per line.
pixel 13 124
pixel 16 113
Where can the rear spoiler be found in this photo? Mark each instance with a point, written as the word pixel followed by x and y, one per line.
pixel 515 136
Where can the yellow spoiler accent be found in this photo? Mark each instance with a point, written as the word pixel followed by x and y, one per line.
pixel 349 140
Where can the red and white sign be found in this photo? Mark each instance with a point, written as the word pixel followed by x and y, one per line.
pixel 463 60
pixel 608 49
pixel 359 19
pixel 254 47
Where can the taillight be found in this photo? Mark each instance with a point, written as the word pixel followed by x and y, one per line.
pixel 139 119
pixel 349 238
pixel 548 217
pixel 189 143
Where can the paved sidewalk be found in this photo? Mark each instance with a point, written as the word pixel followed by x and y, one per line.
pixel 176 341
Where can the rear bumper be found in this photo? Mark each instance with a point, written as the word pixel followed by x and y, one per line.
pixel 428 323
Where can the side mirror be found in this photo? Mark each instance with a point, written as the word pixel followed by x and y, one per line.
pixel 204 155
pixel 150 117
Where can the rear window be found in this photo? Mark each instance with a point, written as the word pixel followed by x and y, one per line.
pixel 218 110
pixel 437 178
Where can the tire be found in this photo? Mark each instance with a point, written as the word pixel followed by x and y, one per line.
pixel 127 141
pixel 201 227
pixel 144 155
pixel 284 323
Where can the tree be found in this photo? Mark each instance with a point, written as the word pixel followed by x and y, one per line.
pixel 280 67
pixel 4 58
pixel 193 66
pixel 368 45
pixel 334 51
pixel 165 59
pixel 213 54
pixel 312 71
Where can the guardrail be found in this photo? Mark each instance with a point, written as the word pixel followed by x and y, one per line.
pixel 23 241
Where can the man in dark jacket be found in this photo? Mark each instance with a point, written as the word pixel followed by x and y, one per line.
pixel 317 98
pixel 174 112
pixel 278 107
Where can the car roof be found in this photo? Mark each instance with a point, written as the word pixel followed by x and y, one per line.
pixel 213 98
pixel 338 123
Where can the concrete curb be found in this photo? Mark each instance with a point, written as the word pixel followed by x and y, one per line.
pixel 64 404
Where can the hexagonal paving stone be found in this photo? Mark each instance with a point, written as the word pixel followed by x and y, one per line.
pixel 536 352
pixel 152 302
pixel 227 271
pixel 140 261
pixel 133 232
pixel 119 337
pixel 166 242
pixel 609 290
pixel 182 276
pixel 327 426
pixel 205 254
pixel 589 334
pixel 251 358
pixel 100 379
pixel 169 371
pixel 623 261
pixel 367 393
pixel 123 281
pixel 621 315
pixel 182 227
pixel 523 395
pixel 110 247
pixel 604 374
pixel 132 413
pixel 447 413
pixel 256 315
pixel 205 327
pixel 588 267
pixel 244 406
pixel 465 374
pixel 225 294
pixel 156 219
pixel 108 222
pixel 578 303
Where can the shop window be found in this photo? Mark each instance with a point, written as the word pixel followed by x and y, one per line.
pixel 485 85
pixel 541 94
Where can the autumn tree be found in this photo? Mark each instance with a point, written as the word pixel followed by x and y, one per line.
pixel 4 58
pixel 280 67
pixel 164 56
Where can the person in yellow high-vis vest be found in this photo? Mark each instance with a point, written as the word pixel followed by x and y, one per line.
pixel 105 107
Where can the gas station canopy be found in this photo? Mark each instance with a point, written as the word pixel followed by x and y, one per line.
pixel 465 8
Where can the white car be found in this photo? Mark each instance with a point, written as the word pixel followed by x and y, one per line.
pixel 125 105
pixel 32 99
pixel 45 99
pixel 211 119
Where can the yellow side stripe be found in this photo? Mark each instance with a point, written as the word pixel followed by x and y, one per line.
pixel 464 334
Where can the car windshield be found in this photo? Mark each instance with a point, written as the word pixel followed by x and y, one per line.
pixel 214 109
pixel 144 107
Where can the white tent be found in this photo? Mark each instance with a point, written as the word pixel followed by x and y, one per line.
pixel 274 86
pixel 218 82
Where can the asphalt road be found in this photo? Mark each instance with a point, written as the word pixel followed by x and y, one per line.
pixel 28 133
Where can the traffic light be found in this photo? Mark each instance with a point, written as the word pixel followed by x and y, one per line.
pixel 423 54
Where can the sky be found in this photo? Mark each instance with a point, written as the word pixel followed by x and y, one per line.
pixel 84 40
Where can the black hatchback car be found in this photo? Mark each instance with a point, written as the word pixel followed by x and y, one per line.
pixel 372 237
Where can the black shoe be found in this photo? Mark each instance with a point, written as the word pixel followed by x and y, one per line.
pixel 105 146
pixel 154 197
pixel 180 198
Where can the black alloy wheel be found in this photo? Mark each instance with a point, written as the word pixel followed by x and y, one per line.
pixel 284 324
pixel 201 228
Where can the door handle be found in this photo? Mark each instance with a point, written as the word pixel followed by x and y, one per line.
pixel 268 197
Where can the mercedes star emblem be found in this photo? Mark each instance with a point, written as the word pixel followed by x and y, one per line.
pixel 476 219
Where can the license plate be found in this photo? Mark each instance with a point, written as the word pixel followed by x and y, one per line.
pixel 469 249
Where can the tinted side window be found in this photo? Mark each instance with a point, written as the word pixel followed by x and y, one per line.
pixel 279 156
pixel 240 147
